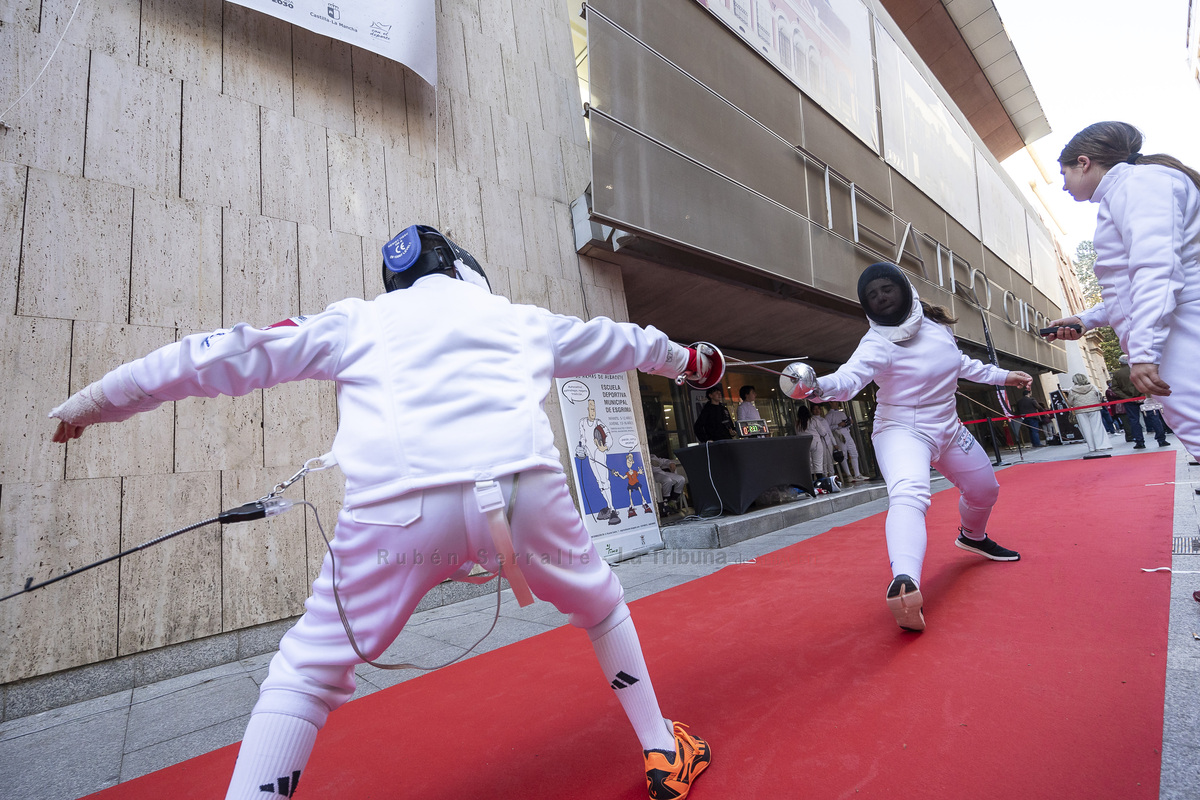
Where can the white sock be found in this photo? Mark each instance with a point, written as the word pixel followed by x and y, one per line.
pixel 274 751
pixel 620 654
pixel 905 528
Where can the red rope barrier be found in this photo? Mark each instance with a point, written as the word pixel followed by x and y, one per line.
pixel 1055 411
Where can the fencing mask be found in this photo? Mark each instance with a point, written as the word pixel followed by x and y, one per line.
pixel 421 250
pixel 889 303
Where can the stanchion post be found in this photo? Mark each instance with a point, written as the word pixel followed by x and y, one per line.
pixel 995 444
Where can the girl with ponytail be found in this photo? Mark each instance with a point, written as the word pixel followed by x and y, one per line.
pixel 1147 262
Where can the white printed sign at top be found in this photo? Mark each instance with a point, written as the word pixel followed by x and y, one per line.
pixel 402 30
pixel 612 478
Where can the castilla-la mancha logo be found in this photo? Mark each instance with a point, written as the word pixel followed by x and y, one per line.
pixel 333 11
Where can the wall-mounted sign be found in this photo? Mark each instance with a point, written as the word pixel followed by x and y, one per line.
pixel 822 46
pixel 402 30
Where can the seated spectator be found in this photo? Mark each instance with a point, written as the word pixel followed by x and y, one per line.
pixel 670 482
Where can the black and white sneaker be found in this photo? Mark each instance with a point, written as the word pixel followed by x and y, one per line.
pixel 904 601
pixel 987 548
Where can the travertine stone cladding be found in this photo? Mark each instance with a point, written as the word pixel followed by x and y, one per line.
pixel 185 165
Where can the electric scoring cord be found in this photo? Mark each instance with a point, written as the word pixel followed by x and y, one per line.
pixel 271 506
pixel 712 482
pixel 31 586
pixel 337 599
pixel 53 53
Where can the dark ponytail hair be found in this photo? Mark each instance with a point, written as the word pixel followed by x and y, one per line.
pixel 1111 143
pixel 938 313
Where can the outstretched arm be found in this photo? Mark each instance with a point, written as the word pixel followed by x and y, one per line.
pixel 1020 379
pixel 229 362
pixel 869 358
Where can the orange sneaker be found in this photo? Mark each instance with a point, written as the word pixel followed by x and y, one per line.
pixel 669 776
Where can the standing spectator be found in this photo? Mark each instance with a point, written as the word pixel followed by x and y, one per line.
pixel 1106 417
pixel 1114 412
pixel 713 424
pixel 1084 394
pixel 1147 262
pixel 1124 389
pixel 820 453
pixel 1025 406
pixel 843 437
pixel 746 409
pixel 1152 411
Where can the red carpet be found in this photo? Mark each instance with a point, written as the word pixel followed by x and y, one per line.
pixel 1037 679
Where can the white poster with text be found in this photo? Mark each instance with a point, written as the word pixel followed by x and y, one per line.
pixel 612 479
pixel 402 30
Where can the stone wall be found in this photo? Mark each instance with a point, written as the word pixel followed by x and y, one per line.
pixel 183 165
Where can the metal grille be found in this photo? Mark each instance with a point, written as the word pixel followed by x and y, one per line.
pixel 1185 545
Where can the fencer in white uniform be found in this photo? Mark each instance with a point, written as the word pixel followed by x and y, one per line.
pixel 913 358
pixel 416 490
pixel 844 437
pixel 1147 263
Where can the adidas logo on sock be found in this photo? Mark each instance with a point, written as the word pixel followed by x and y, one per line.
pixel 286 786
pixel 623 680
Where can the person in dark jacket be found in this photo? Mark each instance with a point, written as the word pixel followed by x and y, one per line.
pixel 1027 405
pixel 1124 389
pixel 714 422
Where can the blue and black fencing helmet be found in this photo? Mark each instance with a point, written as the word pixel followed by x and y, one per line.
pixel 421 250
pixel 892 273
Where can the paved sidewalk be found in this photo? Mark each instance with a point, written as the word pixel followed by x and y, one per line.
pixel 71 751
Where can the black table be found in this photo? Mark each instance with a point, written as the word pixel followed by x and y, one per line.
pixel 739 470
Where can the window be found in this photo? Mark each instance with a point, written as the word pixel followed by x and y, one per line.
pixel 785 50
pixel 742 11
pixel 763 18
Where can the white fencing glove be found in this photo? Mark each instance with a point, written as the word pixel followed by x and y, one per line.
pixel 687 362
pixel 90 405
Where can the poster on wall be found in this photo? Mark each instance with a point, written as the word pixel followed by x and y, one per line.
pixel 1002 218
pixel 921 137
pixel 822 46
pixel 402 30
pixel 612 479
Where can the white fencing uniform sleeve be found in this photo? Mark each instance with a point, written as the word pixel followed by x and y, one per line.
pixel 979 372
pixel 1094 317
pixel 1150 221
pixel 232 362
pixel 601 345
pixel 869 358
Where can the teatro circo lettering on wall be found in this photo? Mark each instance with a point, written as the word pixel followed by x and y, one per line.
pixel 1017 312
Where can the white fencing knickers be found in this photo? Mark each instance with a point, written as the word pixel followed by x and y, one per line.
pixel 1178 368
pixel 905 451
pixel 390 554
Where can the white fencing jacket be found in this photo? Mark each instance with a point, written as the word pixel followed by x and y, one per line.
pixel 917 377
pixel 1147 254
pixel 439 383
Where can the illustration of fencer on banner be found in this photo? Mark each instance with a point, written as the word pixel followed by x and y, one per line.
pixel 608 464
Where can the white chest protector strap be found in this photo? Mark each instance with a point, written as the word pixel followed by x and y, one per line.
pixel 491 504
